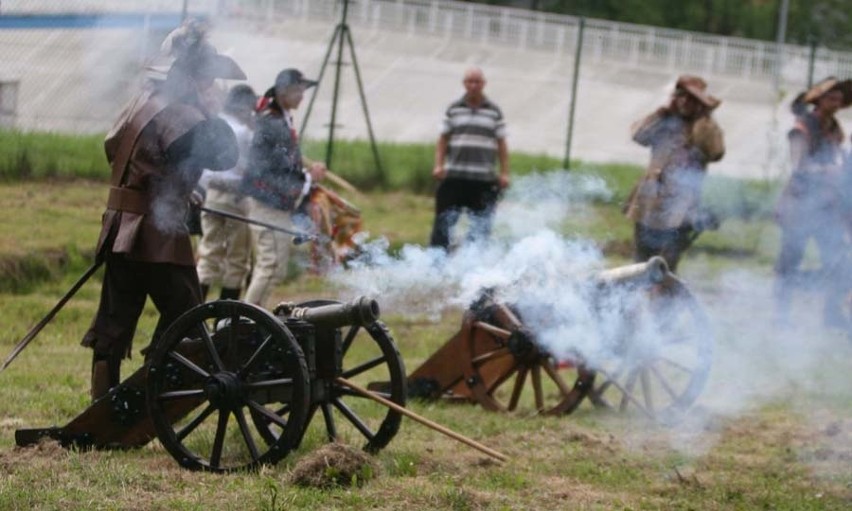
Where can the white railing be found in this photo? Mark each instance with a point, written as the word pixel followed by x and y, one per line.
pixel 623 43
pixel 604 41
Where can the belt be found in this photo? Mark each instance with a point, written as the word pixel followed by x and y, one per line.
pixel 128 199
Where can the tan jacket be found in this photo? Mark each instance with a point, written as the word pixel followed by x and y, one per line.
pixel 669 193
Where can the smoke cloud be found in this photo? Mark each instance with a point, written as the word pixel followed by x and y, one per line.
pixel 547 276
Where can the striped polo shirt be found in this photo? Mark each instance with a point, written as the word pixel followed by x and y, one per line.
pixel 473 135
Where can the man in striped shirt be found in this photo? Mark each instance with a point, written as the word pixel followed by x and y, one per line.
pixel 473 138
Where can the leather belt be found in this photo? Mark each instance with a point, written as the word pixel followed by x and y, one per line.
pixel 128 199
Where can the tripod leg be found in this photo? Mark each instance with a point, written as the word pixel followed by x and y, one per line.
pixel 337 33
pixel 379 169
pixel 329 148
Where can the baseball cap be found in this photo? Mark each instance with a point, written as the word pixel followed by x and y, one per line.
pixel 292 77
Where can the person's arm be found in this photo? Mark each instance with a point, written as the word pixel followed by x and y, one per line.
pixel 798 149
pixel 439 172
pixel 503 157
pixel 646 131
pixel 708 139
pixel 315 169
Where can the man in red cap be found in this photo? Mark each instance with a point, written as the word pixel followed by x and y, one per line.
pixel 683 138
pixel 811 204
pixel 277 180
pixel 157 151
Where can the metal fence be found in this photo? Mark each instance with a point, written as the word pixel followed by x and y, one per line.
pixel 623 43
pixel 57 78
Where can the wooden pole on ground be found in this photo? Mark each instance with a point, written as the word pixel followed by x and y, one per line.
pixel 422 420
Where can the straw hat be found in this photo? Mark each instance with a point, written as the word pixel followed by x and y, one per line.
pixel 827 85
pixel 697 88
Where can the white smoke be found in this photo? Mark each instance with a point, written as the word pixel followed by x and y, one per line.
pixel 527 255
pixel 547 277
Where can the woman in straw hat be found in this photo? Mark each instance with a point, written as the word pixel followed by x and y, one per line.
pixel 683 138
pixel 811 203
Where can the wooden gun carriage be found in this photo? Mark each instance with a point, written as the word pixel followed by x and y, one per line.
pixel 657 361
pixel 231 386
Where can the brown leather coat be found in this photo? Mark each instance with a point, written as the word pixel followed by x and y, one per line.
pixel 148 198
pixel 669 193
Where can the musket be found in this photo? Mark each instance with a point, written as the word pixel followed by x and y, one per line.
pixel 45 320
pixel 298 237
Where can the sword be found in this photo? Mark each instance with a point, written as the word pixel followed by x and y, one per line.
pixel 45 320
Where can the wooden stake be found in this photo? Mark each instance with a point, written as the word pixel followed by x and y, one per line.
pixel 422 420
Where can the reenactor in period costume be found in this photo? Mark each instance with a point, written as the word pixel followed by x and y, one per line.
pixel 157 150
pixel 683 138
pixel 811 204
pixel 277 181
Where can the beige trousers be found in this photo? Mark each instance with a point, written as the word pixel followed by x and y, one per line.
pixel 271 251
pixel 224 252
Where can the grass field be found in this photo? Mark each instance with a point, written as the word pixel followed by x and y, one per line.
pixel 772 429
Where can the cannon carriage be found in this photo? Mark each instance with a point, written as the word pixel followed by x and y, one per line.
pixel 657 357
pixel 231 386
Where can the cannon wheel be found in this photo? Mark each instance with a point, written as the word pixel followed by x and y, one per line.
pixel 663 358
pixel 369 354
pixel 505 360
pixel 214 362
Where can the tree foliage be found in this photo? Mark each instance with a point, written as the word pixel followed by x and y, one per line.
pixel 827 22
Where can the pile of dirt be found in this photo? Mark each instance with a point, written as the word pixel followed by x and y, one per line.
pixel 45 452
pixel 334 465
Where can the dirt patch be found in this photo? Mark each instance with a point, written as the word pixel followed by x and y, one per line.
pixel 334 465
pixel 45 452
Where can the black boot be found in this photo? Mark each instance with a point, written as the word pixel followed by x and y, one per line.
pixel 230 293
pixel 105 375
pixel 205 288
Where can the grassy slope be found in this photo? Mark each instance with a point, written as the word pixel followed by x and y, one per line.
pixel 766 459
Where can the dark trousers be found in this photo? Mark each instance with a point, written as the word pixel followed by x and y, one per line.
pixel 127 284
pixel 668 243
pixel 456 195
pixel 833 257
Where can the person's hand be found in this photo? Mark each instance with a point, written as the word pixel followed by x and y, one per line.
pixel 439 172
pixel 317 171
pixel 503 180
pixel 196 198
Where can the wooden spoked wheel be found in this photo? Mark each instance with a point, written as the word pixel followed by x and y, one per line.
pixel 218 364
pixel 367 353
pixel 508 371
pixel 660 359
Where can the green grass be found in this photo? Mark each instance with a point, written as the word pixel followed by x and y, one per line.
pixel 772 457
pixel 25 155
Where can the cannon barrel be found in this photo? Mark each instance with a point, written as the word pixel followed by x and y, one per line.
pixel 361 311
pixel 654 270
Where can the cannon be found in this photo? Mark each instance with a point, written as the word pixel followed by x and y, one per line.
pixel 231 386
pixel 657 359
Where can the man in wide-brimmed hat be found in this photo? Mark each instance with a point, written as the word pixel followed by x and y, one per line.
pixel 812 202
pixel 157 150
pixel 683 138
pixel 277 180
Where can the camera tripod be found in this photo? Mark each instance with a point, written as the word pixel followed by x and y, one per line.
pixel 342 35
